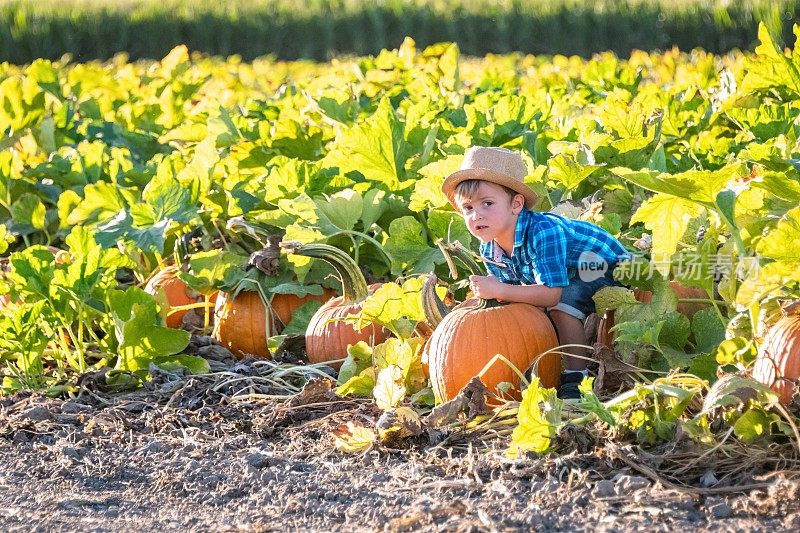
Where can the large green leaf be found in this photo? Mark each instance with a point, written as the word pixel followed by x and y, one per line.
pixel 101 201
pixel 565 170
pixel 121 229
pixel 701 186
pixel 375 148
pixel 340 211
pixel 668 218
pixel 29 210
pixel 408 246
pixel 771 68
pixel 428 190
pixel 708 330
pixel 783 242
pixel 141 340
pixel 539 417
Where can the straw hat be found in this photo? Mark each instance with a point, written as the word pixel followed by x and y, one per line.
pixel 495 165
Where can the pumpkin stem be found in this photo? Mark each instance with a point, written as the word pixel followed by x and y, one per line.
pixel 434 308
pixel 460 252
pixel 354 286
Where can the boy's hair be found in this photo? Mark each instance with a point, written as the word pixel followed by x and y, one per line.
pixel 467 188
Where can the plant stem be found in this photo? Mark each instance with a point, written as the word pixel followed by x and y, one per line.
pixel 354 286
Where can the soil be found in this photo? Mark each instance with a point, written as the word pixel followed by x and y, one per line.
pixel 228 452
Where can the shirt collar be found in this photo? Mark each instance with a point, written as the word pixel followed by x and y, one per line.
pixel 497 253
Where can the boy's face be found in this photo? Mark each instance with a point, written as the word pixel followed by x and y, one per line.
pixel 490 213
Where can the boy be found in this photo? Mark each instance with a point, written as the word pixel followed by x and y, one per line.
pixel 537 258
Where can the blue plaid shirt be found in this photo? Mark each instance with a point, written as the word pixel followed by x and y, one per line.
pixel 547 247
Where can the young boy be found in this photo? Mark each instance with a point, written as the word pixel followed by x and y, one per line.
pixel 537 258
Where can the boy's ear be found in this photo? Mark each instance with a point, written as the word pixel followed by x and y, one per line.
pixel 517 203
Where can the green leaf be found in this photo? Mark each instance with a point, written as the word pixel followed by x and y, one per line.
pixel 613 298
pixel 301 291
pixel 360 385
pixel 704 366
pixel 676 359
pixel 29 210
pixel 781 185
pixel 590 403
pixel 727 391
pixel 667 217
pixel 408 246
pixel 428 190
pixel 192 363
pixel 736 351
pixel 121 228
pixel 393 352
pixel 197 174
pixel 769 279
pixel 341 210
pixel 640 332
pixel 396 307
pixel 675 331
pixel 753 424
pixel 211 269
pixel 389 387
pixel 782 243
pixel 359 358
pixel 700 186
pixel 450 226
pixel 565 170
pixel 4 238
pixel 375 148
pixel 373 207
pixel 101 201
pixel 354 438
pixel 338 105
pixel 141 340
pixel 164 198
pixel 304 235
pixel 708 330
pixel 770 68
pixel 301 317
pixel 539 417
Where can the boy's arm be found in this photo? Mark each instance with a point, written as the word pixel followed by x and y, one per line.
pixel 489 287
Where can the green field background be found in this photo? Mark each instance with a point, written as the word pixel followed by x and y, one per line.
pixel 320 29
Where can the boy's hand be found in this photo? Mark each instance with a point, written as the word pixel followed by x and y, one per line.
pixel 486 287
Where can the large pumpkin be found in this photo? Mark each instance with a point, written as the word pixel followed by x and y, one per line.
pixel 474 332
pixel 328 335
pixel 284 305
pixel 470 336
pixel 243 323
pixel 176 291
pixel 778 362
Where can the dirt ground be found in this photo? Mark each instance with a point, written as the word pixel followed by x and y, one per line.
pixel 185 454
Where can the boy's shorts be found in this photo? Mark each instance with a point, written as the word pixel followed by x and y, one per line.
pixel 576 298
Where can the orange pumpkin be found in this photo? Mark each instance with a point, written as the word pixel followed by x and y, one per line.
pixel 474 332
pixel 243 323
pixel 284 305
pixel 777 364
pixel 176 291
pixel 471 335
pixel 328 335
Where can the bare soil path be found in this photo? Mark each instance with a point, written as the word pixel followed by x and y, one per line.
pixel 183 456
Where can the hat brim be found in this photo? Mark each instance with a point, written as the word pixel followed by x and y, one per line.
pixel 451 182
